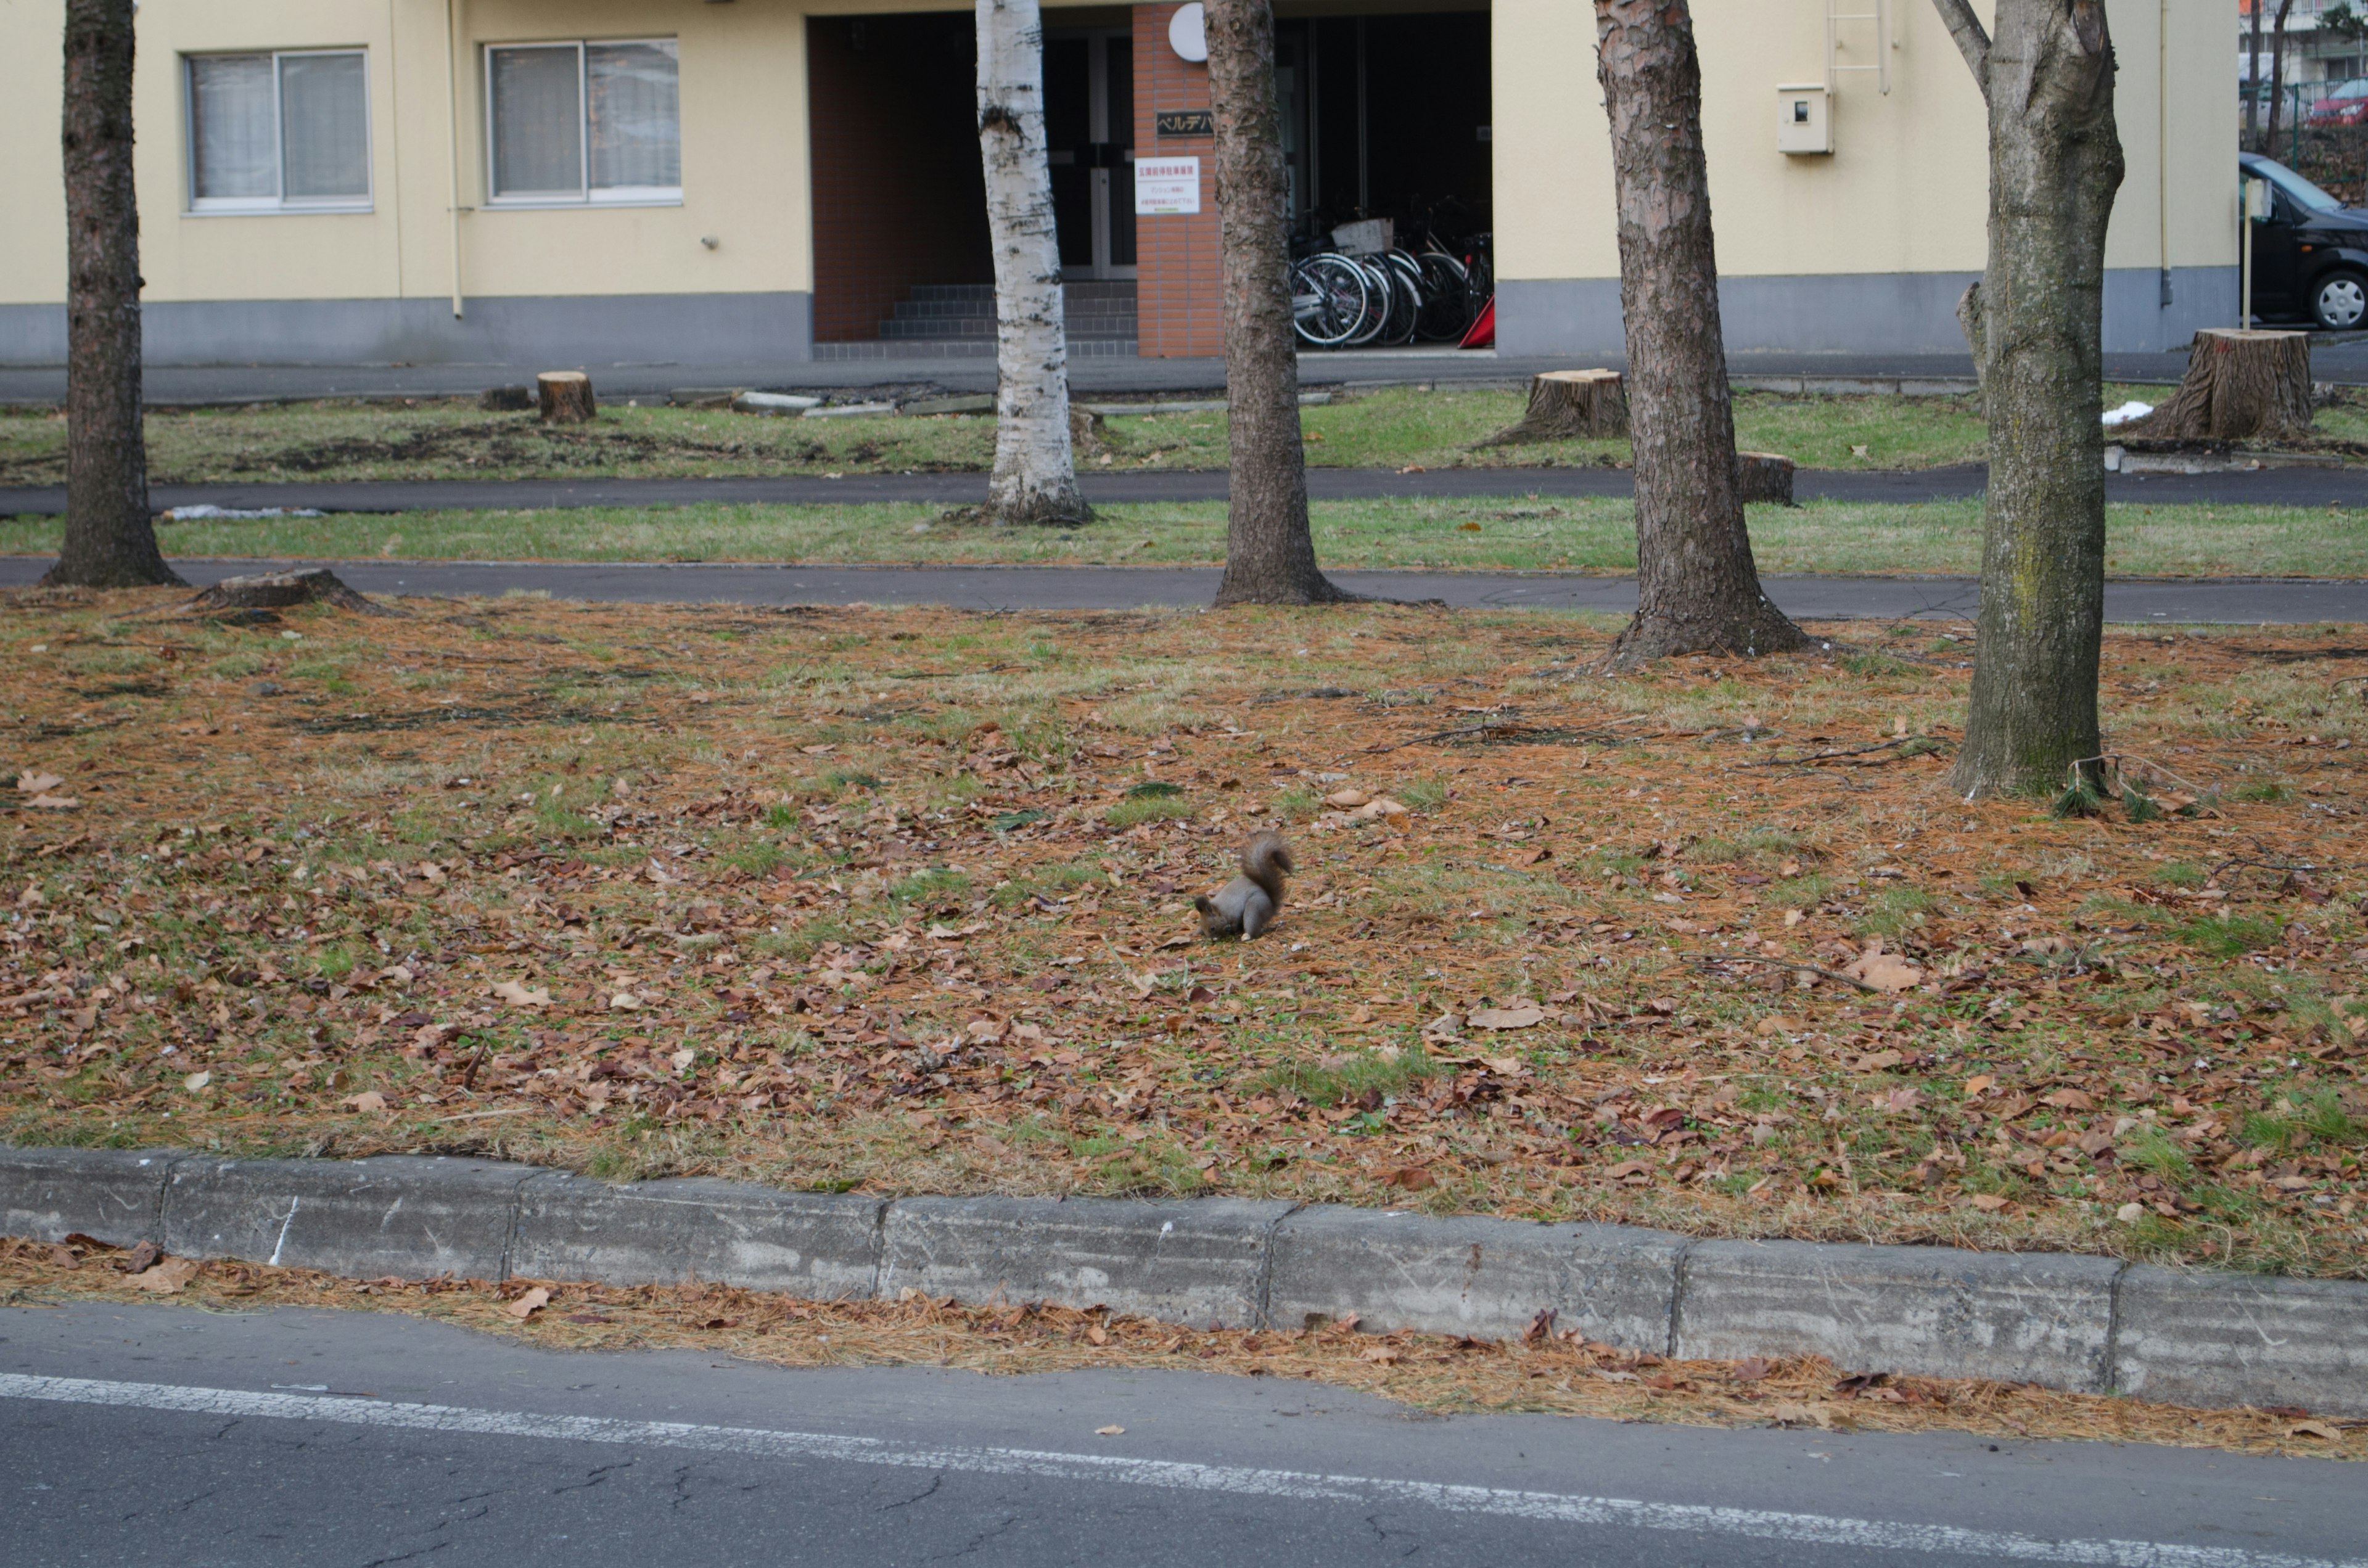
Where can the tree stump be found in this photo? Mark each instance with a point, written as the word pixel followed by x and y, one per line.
pixel 1569 405
pixel 279 590
pixel 505 400
pixel 566 397
pixel 2238 385
pixel 1764 477
pixel 1088 433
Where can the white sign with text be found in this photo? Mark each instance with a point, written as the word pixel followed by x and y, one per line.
pixel 1166 186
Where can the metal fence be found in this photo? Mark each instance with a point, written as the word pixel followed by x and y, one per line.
pixel 2322 133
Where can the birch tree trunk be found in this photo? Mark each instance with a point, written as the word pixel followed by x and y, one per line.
pixel 1270 555
pixel 1697 587
pixel 2055 162
pixel 1035 478
pixel 109 540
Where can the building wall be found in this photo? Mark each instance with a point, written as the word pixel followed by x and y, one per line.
pixel 1867 248
pixel 1179 306
pixel 593 284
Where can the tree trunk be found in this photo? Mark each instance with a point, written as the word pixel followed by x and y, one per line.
pixel 2253 78
pixel 1969 321
pixel 1697 589
pixel 2238 385
pixel 110 542
pixel 1270 555
pixel 2055 162
pixel 1035 478
pixel 1569 405
pixel 566 397
pixel 2277 77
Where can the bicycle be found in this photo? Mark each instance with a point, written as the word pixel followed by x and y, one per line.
pixel 1329 295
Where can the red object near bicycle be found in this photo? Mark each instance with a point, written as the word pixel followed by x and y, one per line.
pixel 1483 330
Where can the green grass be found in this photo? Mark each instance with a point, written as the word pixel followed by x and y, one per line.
pixel 1391 426
pixel 1441 426
pixel 1573 534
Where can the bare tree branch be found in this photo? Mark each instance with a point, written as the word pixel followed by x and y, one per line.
pixel 1971 41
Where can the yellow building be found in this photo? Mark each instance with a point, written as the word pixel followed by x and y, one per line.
pixel 757 181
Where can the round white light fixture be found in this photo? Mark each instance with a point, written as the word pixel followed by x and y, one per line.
pixel 1188 33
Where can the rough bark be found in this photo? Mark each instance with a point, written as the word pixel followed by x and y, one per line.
pixel 1698 590
pixel 1969 321
pixel 1269 554
pixel 565 397
pixel 110 542
pixel 1569 405
pixel 2238 385
pixel 2055 162
pixel 1035 478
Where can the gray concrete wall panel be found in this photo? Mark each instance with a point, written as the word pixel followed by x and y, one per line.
pixel 817 1246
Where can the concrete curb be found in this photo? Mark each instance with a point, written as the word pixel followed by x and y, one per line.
pixel 2088 1325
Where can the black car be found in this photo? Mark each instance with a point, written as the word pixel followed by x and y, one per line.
pixel 2310 255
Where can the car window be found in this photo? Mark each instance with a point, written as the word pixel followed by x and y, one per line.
pixel 2304 194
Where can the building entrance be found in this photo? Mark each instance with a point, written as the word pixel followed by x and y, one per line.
pixel 1089 132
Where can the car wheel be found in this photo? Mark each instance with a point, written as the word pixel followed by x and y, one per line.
pixel 2341 300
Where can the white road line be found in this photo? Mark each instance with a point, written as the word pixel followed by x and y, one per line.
pixel 1874 1535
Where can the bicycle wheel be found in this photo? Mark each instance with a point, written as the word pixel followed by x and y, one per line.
pixel 1406 275
pixel 1447 303
pixel 1378 292
pixel 1327 302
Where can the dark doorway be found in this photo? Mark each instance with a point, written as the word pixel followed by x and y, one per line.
pixel 899 198
pixel 1090 131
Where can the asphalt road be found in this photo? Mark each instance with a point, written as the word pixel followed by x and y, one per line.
pixel 133 1435
pixel 2266 487
pixel 2269 601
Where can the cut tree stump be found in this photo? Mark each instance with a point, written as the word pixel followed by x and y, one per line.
pixel 2238 385
pixel 1763 477
pixel 281 590
pixel 566 397
pixel 1088 434
pixel 1568 405
pixel 505 400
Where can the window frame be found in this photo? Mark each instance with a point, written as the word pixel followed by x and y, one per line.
pixel 281 205
pixel 584 194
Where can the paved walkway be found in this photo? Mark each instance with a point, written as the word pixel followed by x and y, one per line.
pixel 2268 487
pixel 2240 601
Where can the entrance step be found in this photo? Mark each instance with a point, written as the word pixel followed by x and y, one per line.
pixel 956 321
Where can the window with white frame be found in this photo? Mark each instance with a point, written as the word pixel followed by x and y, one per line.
pixel 584 122
pixel 279 133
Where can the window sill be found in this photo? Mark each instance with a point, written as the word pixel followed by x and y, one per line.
pixel 281 210
pixel 575 203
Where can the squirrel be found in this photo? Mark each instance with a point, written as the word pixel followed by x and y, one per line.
pixel 1248 904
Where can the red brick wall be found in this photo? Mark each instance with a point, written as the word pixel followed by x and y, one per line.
pixel 1178 291
pixel 899 198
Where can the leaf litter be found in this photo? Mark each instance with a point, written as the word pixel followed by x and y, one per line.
pixel 899 901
